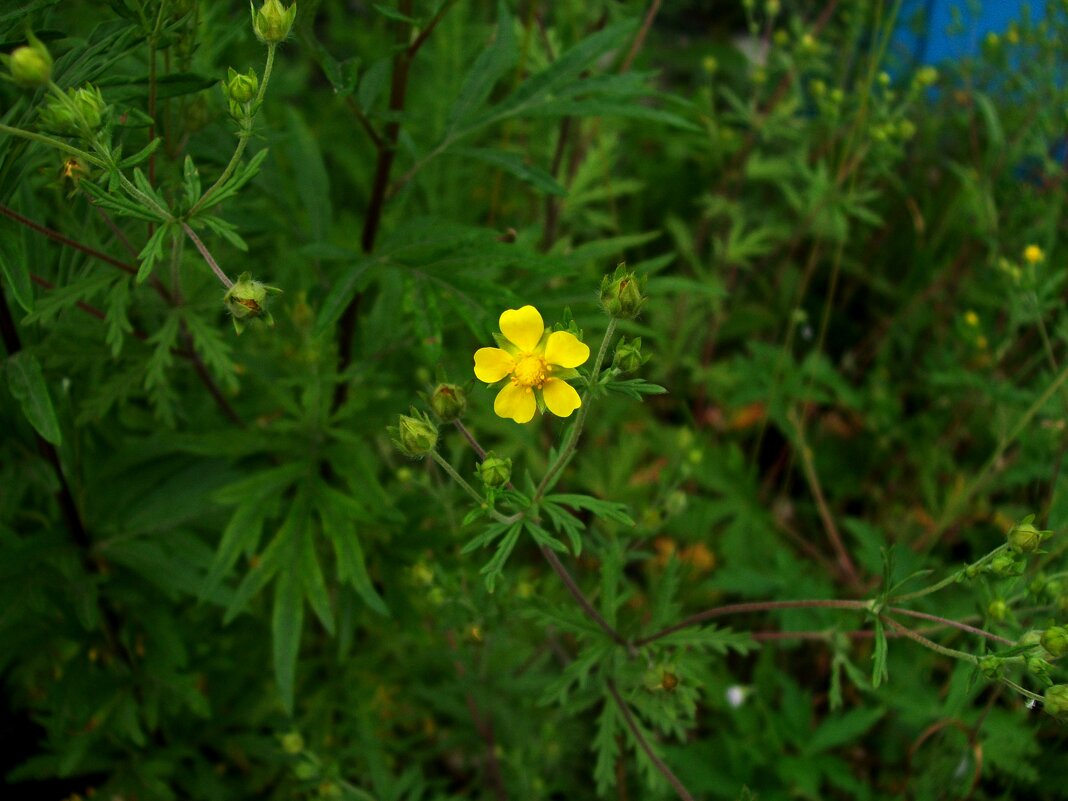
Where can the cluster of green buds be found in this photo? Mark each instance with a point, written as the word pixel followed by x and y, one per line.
pixel 1024 537
pixel 247 300
pixel 273 22
pixel 30 65
pixel 628 357
pixel 1003 564
pixel 991 666
pixel 80 112
pixel 621 293
pixel 495 471
pixel 448 402
pixel 240 90
pixel 415 435
pixel 660 678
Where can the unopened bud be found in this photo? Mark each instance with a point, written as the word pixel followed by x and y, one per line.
pixel 990 666
pixel 31 65
pixel 415 435
pixel 495 471
pixel 1006 564
pixel 1024 537
pixel 272 23
pixel 628 358
pixel 449 402
pixel 1056 700
pixel 1037 666
pixel 247 299
pixel 621 293
pixel 292 743
pixel 81 111
pixel 240 89
pixel 997 609
pixel 1055 640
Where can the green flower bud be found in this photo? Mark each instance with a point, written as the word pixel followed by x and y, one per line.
pixel 81 111
pixel 414 435
pixel 247 299
pixel 1037 666
pixel 31 65
pixel 1005 564
pixel 621 294
pixel 661 677
pixel 1055 640
pixel 997 609
pixel 1037 585
pixel 272 22
pixel 305 771
pixel 292 743
pixel 1024 537
pixel 495 471
pixel 1032 637
pixel 628 358
pixel 449 402
pixel 990 666
pixel 926 76
pixel 1056 700
pixel 240 89
pixel 329 789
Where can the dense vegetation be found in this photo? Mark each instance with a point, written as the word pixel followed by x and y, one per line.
pixel 761 325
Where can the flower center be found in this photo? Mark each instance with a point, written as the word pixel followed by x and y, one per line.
pixel 530 371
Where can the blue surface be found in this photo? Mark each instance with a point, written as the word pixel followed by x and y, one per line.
pixel 934 44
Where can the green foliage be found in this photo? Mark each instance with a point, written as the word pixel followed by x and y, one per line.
pixel 803 535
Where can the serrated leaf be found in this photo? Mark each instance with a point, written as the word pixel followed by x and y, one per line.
pixel 514 164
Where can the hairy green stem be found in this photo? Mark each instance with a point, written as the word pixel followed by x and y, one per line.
pixel 950 579
pixel 215 268
pixel 953 653
pixel 243 136
pixel 576 430
pixel 58 144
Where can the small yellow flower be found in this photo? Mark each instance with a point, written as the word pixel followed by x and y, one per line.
pixel 536 362
pixel 971 318
pixel 1033 254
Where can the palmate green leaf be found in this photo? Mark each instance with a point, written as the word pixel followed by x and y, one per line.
pixel 287 621
pixel 13 265
pixel 117 321
pixel 117 204
pixel 311 576
pixel 340 295
pixel 879 671
pixel 141 155
pixel 616 512
pixel 635 388
pixel 151 253
pixel 27 385
pixel 242 175
pixel 711 638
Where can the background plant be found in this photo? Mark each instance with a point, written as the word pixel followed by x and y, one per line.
pixel 854 279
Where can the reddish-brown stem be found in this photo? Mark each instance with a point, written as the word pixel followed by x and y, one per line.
pixel 639 40
pixel 665 771
pixel 750 608
pixel 56 236
pixel 945 621
pixel 364 122
pixel 424 34
pixel 398 93
pixel 582 600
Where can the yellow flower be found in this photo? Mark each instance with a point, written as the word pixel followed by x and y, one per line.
pixel 1033 254
pixel 536 362
pixel 971 318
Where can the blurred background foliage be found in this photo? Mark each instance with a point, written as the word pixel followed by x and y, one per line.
pixel 219 579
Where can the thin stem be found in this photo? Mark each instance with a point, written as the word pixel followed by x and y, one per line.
pixel 424 34
pixel 56 143
pixel 470 439
pixel 583 601
pixel 949 515
pixel 945 621
pixel 1021 690
pixel 950 579
pixel 576 430
pixel 749 608
pixel 953 653
pixel 665 771
pixel 448 468
pixel 242 137
pixel 56 236
pixel 215 268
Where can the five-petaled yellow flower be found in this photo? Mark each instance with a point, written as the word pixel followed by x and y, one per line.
pixel 1033 254
pixel 536 362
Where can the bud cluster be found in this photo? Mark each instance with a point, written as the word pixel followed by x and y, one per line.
pixel 240 89
pixel 80 112
pixel 273 22
pixel 495 471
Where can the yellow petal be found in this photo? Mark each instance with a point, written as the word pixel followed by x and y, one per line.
pixel 516 403
pixel 523 327
pixel 566 350
pixel 560 397
pixel 492 364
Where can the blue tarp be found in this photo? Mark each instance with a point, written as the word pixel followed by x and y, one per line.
pixel 935 42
